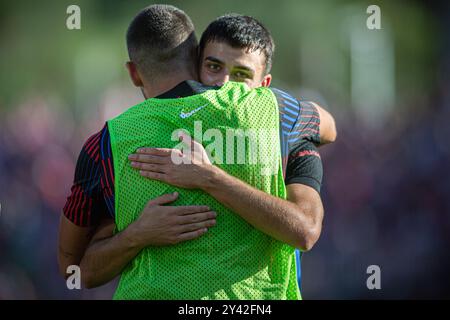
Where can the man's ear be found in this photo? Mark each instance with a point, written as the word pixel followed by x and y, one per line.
pixel 134 74
pixel 266 80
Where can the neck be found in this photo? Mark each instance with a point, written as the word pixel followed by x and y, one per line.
pixel 151 90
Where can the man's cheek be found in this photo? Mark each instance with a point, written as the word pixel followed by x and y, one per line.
pixel 213 79
pixel 205 79
pixel 253 84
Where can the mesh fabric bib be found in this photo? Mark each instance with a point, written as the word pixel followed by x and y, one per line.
pixel 233 260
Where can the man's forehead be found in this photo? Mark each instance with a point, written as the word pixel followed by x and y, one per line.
pixel 225 53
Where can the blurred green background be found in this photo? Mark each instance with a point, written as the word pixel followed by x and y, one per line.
pixel 386 188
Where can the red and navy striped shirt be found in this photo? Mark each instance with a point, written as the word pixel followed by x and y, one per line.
pixel 92 193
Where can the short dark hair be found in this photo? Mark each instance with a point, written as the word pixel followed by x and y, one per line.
pixel 161 39
pixel 240 31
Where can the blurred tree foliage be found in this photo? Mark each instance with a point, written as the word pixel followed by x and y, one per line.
pixel 39 55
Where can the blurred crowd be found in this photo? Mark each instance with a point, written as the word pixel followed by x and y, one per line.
pixel 386 193
pixel 387 203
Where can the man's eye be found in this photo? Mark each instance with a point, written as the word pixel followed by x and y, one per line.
pixel 213 67
pixel 241 75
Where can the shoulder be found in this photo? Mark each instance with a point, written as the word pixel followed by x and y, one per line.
pixel 305 166
pixel 132 111
pixel 285 96
pixel 91 147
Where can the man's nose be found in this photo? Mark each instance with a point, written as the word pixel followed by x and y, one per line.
pixel 221 82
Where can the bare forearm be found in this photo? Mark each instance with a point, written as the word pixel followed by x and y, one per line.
pixel 106 258
pixel 328 131
pixel 281 219
pixel 73 241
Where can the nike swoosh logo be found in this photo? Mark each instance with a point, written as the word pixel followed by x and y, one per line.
pixel 184 115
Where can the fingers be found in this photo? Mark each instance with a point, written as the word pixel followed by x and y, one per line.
pixel 146 158
pixel 149 167
pixel 191 235
pixel 154 175
pixel 164 199
pixel 195 147
pixel 185 210
pixel 155 151
pixel 197 226
pixel 197 217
